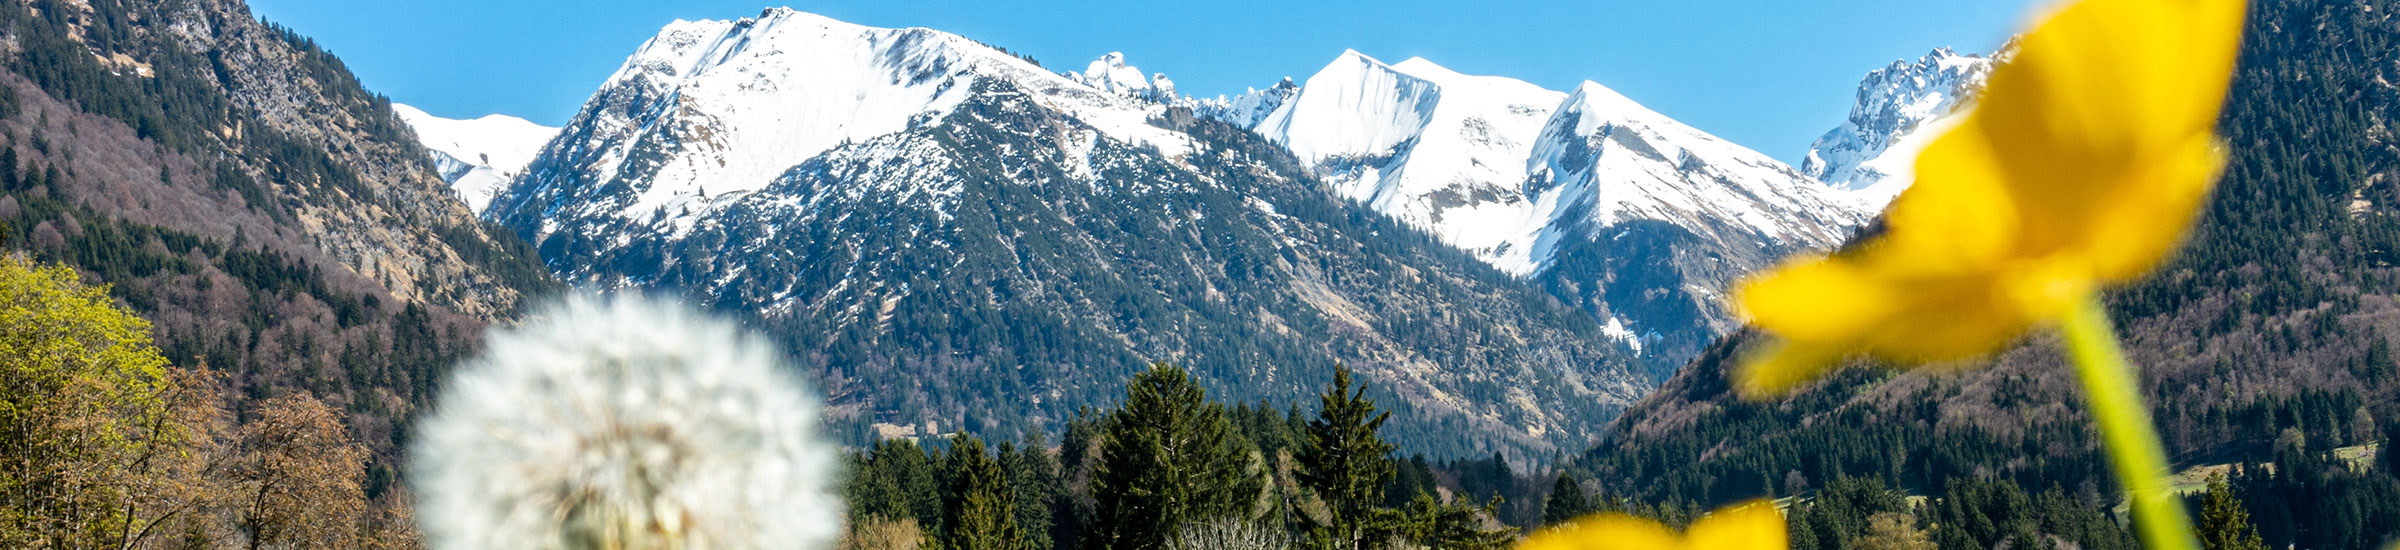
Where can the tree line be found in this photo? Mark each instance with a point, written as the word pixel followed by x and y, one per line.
pixel 1169 468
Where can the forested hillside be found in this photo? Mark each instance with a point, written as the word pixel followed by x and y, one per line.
pixel 2267 341
pixel 234 185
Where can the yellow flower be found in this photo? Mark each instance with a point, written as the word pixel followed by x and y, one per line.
pixel 1755 525
pixel 2082 165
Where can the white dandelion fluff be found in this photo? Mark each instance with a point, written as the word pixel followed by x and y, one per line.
pixel 625 423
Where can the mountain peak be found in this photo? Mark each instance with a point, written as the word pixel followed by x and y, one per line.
pixel 710 110
pixel 1874 150
pixel 1420 64
pixel 1110 73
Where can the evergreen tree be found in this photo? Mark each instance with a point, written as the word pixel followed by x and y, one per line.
pixel 1034 475
pixel 1415 477
pixel 1566 501
pixel 896 481
pixel 1344 462
pixel 1453 526
pixel 981 512
pixel 2224 524
pixel 1167 459
pixel 2389 453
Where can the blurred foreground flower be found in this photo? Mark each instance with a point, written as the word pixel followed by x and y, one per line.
pixel 1752 526
pixel 2082 166
pixel 625 423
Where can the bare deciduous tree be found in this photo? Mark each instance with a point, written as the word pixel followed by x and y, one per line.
pixel 1228 534
pixel 298 480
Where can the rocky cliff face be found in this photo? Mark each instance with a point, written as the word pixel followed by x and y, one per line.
pixel 387 211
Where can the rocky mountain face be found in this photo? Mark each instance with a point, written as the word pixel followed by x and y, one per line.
pixel 1633 216
pixel 478 157
pixel 954 238
pixel 1110 74
pixel 1898 110
pixel 233 183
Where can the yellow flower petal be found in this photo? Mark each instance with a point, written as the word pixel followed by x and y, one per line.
pixel 1781 367
pixel 1605 532
pixel 1958 216
pixel 2148 223
pixel 1819 300
pixel 1755 525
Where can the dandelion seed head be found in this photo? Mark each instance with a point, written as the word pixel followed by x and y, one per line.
pixel 628 423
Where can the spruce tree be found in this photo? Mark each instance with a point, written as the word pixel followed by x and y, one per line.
pixel 1566 502
pixel 1344 462
pixel 1167 459
pixel 896 481
pixel 981 513
pixel 1034 475
pixel 2224 524
pixel 2389 453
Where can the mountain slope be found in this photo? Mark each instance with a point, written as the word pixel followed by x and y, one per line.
pixel 1637 218
pixel 955 238
pixel 2271 329
pixel 478 157
pixel 235 186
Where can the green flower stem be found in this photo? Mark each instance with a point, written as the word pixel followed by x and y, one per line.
pixel 2133 444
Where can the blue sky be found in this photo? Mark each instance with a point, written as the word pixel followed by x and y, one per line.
pixel 1769 74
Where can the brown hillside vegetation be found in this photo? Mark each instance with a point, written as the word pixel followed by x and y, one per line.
pixel 236 186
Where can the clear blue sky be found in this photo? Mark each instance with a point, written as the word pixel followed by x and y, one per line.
pixel 1769 74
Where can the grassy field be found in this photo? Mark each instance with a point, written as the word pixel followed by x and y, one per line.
pixel 2195 479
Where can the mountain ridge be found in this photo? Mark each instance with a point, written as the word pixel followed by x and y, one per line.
pixel 1023 240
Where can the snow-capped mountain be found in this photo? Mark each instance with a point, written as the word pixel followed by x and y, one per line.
pixel 710 111
pixel 1525 177
pixel 954 237
pixel 1439 149
pixel 1874 152
pixel 477 157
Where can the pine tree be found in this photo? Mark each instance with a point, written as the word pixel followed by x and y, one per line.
pixel 1344 462
pixel 1431 523
pixel 1034 475
pixel 2224 524
pixel 895 481
pixel 2389 453
pixel 1167 459
pixel 1566 502
pixel 982 508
